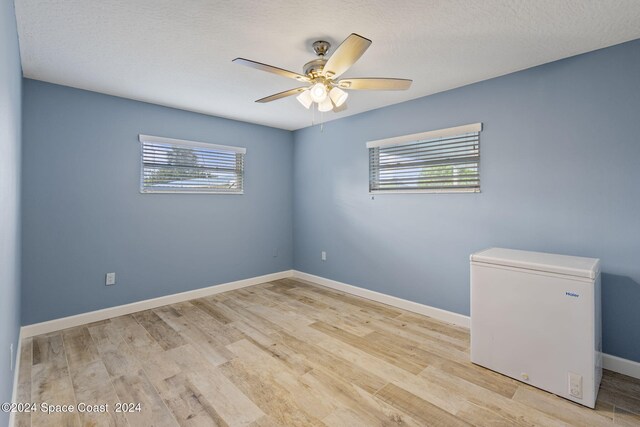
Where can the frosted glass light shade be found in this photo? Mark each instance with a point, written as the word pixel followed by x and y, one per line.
pixel 325 105
pixel 318 92
pixel 305 99
pixel 338 96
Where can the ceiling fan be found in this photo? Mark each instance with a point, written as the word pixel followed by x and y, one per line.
pixel 322 75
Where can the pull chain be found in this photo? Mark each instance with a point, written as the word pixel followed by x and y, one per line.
pixel 313 117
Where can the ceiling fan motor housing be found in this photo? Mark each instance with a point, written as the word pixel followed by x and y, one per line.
pixel 314 68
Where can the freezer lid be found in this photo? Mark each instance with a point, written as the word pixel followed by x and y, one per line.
pixel 540 261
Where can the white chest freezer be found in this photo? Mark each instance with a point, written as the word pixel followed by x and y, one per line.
pixel 536 318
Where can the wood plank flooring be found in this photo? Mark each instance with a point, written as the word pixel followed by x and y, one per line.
pixel 289 353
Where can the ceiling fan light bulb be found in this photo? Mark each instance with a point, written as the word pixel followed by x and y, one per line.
pixel 305 99
pixel 325 105
pixel 338 96
pixel 318 92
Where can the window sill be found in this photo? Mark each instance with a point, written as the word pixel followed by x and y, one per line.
pixel 190 192
pixel 448 191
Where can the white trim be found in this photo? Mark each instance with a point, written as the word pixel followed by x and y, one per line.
pixel 121 310
pixel 187 143
pixel 620 365
pixel 612 363
pixel 16 373
pixel 439 191
pixel 426 310
pixel 422 136
pixel 147 191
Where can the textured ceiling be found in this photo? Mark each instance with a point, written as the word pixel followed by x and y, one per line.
pixel 178 53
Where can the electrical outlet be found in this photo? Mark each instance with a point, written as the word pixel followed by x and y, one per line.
pixel 111 279
pixel 11 357
pixel 575 385
pixel 323 256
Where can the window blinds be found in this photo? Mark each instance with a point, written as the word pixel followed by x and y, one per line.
pixel 445 160
pixel 179 166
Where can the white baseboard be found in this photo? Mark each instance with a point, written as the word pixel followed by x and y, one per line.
pixel 16 372
pixel 426 310
pixel 620 365
pixel 121 310
pixel 612 363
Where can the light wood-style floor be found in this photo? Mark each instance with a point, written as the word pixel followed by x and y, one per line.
pixel 289 353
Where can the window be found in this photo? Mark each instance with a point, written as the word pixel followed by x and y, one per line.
pixel 440 161
pixel 177 166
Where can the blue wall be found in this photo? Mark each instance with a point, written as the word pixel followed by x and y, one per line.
pixel 83 214
pixel 560 172
pixel 10 127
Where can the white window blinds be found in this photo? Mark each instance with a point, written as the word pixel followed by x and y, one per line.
pixel 445 160
pixel 179 166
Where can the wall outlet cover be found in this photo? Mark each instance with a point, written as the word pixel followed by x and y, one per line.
pixel 575 385
pixel 110 279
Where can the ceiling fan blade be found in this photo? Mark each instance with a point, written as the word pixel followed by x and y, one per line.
pixel 271 69
pixel 280 95
pixel 375 84
pixel 349 51
pixel 340 108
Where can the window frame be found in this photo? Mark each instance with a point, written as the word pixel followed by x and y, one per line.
pixel 183 143
pixel 425 136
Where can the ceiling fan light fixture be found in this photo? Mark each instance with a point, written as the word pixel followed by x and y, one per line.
pixel 325 105
pixel 321 76
pixel 305 99
pixel 338 96
pixel 318 92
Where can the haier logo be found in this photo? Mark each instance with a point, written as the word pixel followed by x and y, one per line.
pixel 571 294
